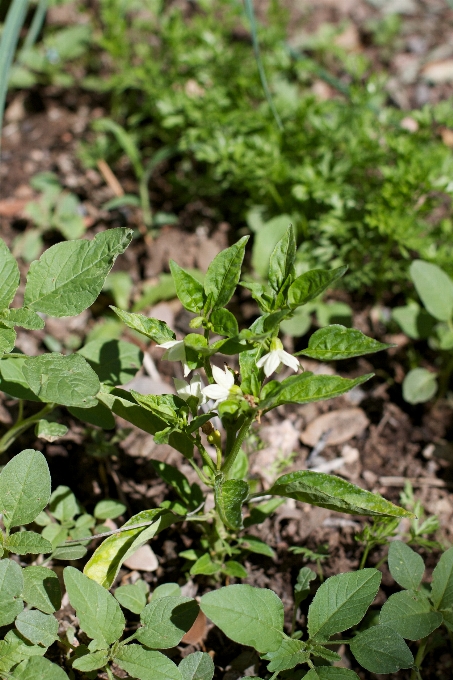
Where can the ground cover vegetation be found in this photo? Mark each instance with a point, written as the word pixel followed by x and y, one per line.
pixel 340 193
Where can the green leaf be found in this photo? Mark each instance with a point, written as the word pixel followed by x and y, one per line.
pixel 11 587
pixel 299 323
pixel 330 673
pixel 7 340
pixel 338 342
pixel 49 430
pixel 405 565
pixel 42 589
pixel 409 613
pixel 38 667
pixel 306 387
pixel 26 543
pixel 9 276
pixel 131 597
pixel 204 565
pixel 341 602
pixel 99 613
pixel 189 290
pixel 153 328
pixel 197 666
pixel 311 284
pixel 23 317
pixel 166 590
pixel 259 513
pixel 69 552
pixel 414 321
pixel 14 649
pixel 69 276
pixel 24 488
pixel 288 655
pixel 265 240
pixel 39 628
pixel 233 568
pixel 256 545
pixel 67 380
pixel 98 415
pixel 189 493
pixel 109 509
pixel 334 493
pixel 104 564
pixel 434 287
pixel 63 504
pixel 302 587
pixel 281 263
pixel 419 385
pixel 166 621
pixel 229 497
pixel 13 381
pixel 146 664
pixel 442 583
pixel 114 361
pixel 165 406
pixel 223 274
pixel 247 615
pixel 380 649
pixel 224 323
pixel 91 662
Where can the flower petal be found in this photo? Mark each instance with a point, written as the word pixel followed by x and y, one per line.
pixel 182 388
pixel 224 378
pixel 272 363
pixel 216 392
pixel 289 360
pixel 169 344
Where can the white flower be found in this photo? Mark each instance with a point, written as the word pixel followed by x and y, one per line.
pixel 193 389
pixel 176 351
pixel 272 361
pixel 224 387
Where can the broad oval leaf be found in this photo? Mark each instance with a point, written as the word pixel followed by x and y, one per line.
pixel 7 340
pixel 229 497
pixel 104 564
pixel 341 602
pixel 153 328
pixel 409 613
pixel 380 649
pixel 311 284
pixel 442 583
pixel 67 380
pixel 41 589
pixel 307 387
pixel 109 509
pixel 189 290
pixel 99 613
pixel 11 586
pixel 27 543
pixel 13 381
pixel 24 488
pixel 38 667
pixel 247 615
pixel 338 342
pixel 146 664
pixel 224 323
pixel 39 628
pixel 115 362
pixel 223 274
pixel 334 493
pixel 131 597
pixel 414 321
pixel 197 666
pixel 419 385
pixel 406 566
pixel 434 287
pixel 166 621
pixel 9 276
pixel 69 276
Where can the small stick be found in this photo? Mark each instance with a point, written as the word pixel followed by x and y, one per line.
pixel 110 179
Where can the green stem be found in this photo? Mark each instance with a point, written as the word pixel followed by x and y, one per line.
pixel 415 675
pixel 200 473
pixel 230 439
pixel 366 552
pixel 207 460
pixel 243 431
pixel 109 673
pixel 22 425
pixel 20 411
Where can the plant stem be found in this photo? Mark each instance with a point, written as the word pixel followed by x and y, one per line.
pixel 22 425
pixel 109 673
pixel 366 552
pixel 415 675
pixel 243 431
pixel 205 456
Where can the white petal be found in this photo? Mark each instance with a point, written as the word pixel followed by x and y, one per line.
pixel 182 388
pixel 272 363
pixel 289 360
pixel 224 378
pixel 216 392
pixel 260 363
pixel 185 366
pixel 169 344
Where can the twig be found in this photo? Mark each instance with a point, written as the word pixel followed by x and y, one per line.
pixel 110 179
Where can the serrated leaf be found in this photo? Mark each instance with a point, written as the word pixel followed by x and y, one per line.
pixel 334 493
pixel 341 602
pixel 442 583
pixel 9 276
pixel 288 655
pixel 166 621
pixel 109 509
pixel 67 380
pixel 24 488
pixel 330 673
pixel 115 362
pixel 189 290
pixel 380 649
pixel 11 586
pixel 23 317
pixel 409 613
pixel 229 498
pixel 91 662
pixel 282 260
pixel 131 597
pixel 99 613
pixel 302 587
pixel 419 385
pixel 39 628
pixel 338 342
pixel 104 564
pixel 26 543
pixel 152 328
pixel 197 666
pixel 434 287
pixel 405 565
pixel 247 615
pixel 146 664
pixel 223 274
pixel 41 589
pixel 49 430
pixel 7 340
pixel 38 667
pixel 311 284
pixel 69 276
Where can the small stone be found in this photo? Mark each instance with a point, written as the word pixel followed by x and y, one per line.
pixel 143 559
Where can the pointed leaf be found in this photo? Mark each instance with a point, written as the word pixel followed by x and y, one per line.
pixel 91 662
pixel 38 667
pixel 109 509
pixel 12 380
pixel 27 542
pixel 24 488
pixel 302 587
pixel 334 493
pixel 99 613
pixel 442 584
pixel 338 342
pixel 131 597
pixel 42 589
pixel 282 260
pixel 39 628
pixel 247 615
pixel 229 497
pixel 166 621
pixel 9 276
pixel 189 290
pixel 146 664
pixel 67 380
pixel 306 387
pixel 330 673
pixel 435 289
pixel 311 284
pixel 288 655
pixel 197 666
pixel 223 274
pixel 153 328
pixel 69 276
pixel 406 566
pixel 380 649
pixel 409 613
pixel 114 361
pixel 23 317
pixel 224 323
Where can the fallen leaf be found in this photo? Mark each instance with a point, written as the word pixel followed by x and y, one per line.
pixel 338 427
pixel 198 630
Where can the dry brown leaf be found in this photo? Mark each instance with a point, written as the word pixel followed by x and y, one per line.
pixel 338 426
